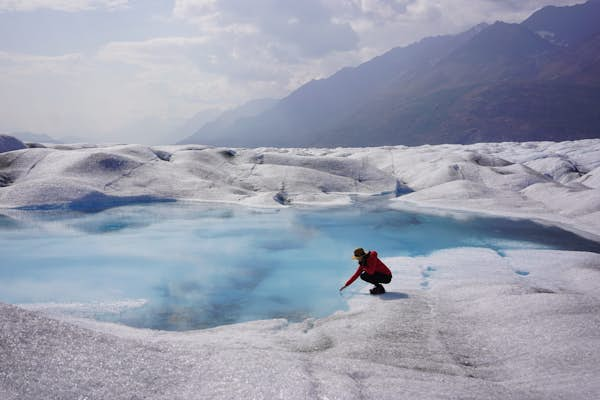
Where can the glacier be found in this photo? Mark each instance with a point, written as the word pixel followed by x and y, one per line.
pixel 556 182
pixel 517 325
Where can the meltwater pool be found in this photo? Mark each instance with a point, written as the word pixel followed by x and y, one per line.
pixel 182 266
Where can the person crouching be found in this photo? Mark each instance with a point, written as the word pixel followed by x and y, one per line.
pixel 370 269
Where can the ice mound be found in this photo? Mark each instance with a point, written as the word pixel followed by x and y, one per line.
pixel 548 181
pixel 556 182
pixel 10 143
pixel 55 177
pixel 591 179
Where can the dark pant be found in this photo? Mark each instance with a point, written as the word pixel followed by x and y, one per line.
pixel 376 279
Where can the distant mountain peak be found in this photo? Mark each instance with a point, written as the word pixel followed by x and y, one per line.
pixel 494 82
pixel 208 133
pixel 566 25
pixel 502 41
pixel 35 137
pixel 479 27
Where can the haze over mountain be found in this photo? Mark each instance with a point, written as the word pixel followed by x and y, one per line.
pixel 190 126
pixel 537 80
pixel 210 130
pixel 35 137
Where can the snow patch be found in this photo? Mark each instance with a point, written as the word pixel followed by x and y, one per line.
pixel 84 309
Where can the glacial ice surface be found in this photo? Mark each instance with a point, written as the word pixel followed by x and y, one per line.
pixel 479 330
pixel 555 182
pixel 464 322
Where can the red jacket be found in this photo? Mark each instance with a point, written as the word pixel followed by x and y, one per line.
pixel 374 264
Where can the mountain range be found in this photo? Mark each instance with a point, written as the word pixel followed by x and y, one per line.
pixel 536 80
pixel 32 137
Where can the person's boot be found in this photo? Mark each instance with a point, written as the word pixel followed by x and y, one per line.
pixel 378 289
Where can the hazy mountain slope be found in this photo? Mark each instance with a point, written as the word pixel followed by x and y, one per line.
pixel 506 83
pixel 209 133
pixel 488 90
pixel 35 137
pixel 328 102
pixel 192 125
pixel 566 25
pixel 579 63
pixel 492 83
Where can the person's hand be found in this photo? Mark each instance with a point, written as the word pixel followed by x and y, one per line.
pixel 343 287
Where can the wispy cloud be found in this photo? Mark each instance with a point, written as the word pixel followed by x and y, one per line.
pixel 304 29
pixel 164 50
pixel 314 31
pixel 62 5
pixel 27 64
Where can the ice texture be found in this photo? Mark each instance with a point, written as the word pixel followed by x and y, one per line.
pixel 554 182
pixel 458 323
pixel 478 330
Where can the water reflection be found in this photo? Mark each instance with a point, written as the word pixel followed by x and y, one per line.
pixel 199 266
pixel 7 223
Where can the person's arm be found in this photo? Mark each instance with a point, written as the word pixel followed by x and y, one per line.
pixel 352 278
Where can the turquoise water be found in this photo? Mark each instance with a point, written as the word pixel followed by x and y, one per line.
pixel 199 266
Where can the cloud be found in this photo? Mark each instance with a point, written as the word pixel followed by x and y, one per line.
pixel 163 50
pixel 128 92
pixel 384 24
pixel 303 29
pixel 62 5
pixel 201 54
pixel 67 94
pixel 16 64
pixel 313 31
pixel 223 53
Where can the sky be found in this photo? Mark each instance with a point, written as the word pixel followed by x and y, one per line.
pixel 134 71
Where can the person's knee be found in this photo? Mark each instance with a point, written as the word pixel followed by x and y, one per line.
pixel 366 277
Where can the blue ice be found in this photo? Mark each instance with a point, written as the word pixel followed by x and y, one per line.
pixel 201 266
